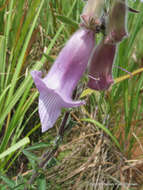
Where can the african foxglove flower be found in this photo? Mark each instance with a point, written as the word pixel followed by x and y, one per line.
pixel 100 70
pixel 57 87
pixel 116 24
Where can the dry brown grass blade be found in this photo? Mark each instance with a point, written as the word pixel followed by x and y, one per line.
pixel 66 146
pixel 20 27
pixel 86 165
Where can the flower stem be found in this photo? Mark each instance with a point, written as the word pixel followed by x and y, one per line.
pixel 49 154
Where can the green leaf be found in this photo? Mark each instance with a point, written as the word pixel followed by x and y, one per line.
pixel 38 146
pixel 52 162
pixel 32 158
pixel 41 183
pixel 30 155
pixel 9 182
pixel 49 58
pixel 3 187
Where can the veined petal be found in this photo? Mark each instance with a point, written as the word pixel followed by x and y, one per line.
pixel 49 111
pixel 51 102
pixel 50 105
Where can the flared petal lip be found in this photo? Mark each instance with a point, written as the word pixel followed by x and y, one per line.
pixel 48 112
pixel 55 108
pixel 51 101
pixel 66 100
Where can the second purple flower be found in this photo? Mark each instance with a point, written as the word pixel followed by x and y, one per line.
pixel 100 71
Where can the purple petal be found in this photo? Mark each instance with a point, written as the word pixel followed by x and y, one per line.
pixel 36 75
pixel 100 71
pixel 71 62
pixel 50 105
pixel 49 111
pixel 50 102
pixel 102 83
pixel 57 87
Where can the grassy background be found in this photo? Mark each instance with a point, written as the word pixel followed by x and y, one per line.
pixel 105 144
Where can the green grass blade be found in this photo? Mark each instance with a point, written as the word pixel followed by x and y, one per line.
pixel 2 65
pixel 104 129
pixel 43 59
pixel 68 21
pixel 20 60
pixel 41 183
pixel 18 145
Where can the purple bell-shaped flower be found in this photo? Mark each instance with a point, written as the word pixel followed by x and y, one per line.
pixel 100 70
pixel 57 87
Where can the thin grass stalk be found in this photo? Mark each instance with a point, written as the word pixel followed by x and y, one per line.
pixel 43 59
pixel 6 36
pixel 21 57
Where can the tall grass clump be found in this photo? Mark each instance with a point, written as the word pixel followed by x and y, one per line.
pixel 19 20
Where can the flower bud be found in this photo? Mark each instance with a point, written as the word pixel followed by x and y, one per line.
pixel 92 13
pixel 116 24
